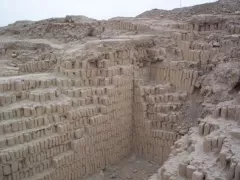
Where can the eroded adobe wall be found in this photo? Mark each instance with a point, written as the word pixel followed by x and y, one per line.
pixel 67 124
pixel 153 125
pixel 91 112
pixel 175 74
pixel 162 85
pixel 209 151
pixel 156 108
pixel 128 26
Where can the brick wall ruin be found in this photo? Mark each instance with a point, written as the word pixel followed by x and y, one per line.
pixel 67 127
pixel 78 109
pixel 87 114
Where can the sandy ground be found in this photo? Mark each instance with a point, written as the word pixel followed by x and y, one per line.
pixel 130 168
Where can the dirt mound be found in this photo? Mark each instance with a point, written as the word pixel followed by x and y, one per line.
pixel 219 7
pixel 70 28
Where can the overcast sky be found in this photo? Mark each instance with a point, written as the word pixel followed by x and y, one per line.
pixel 13 10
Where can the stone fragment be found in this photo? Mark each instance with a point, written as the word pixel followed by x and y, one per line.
pixel 216 44
pixel 14 55
pixel 190 170
pixel 207 144
pixel 201 128
pixel 78 133
pixel 6 170
pixel 206 129
pixel 14 167
pixel 182 169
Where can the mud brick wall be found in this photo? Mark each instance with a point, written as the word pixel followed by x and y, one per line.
pixel 204 22
pixel 69 124
pixel 37 66
pixel 155 120
pixel 160 90
pixel 182 79
pixel 129 26
pixel 86 115
pixel 104 136
pixel 192 50
pixel 206 26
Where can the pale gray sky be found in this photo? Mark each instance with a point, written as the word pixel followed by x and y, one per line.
pixel 13 10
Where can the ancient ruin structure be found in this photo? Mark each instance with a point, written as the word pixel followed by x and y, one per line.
pixel 78 95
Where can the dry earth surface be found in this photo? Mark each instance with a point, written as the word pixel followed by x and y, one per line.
pixel 130 168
